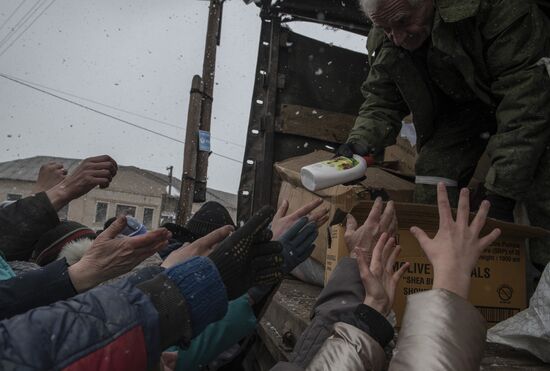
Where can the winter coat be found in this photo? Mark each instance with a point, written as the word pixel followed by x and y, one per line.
pixel 47 285
pixel 5 270
pixel 23 222
pixel 440 331
pixel 111 327
pixel 340 301
pixel 487 51
pixel 35 288
pixel 238 323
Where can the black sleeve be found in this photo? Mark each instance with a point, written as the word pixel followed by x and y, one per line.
pixel 35 288
pixel 23 222
pixel 373 323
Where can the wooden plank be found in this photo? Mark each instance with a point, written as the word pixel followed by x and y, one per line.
pixel 315 123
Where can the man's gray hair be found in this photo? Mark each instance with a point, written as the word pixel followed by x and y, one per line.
pixel 370 6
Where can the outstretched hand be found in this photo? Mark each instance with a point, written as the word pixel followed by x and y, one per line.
pixel 455 249
pixel 49 175
pixel 282 222
pixel 247 257
pixel 92 172
pixel 112 255
pixel 377 275
pixel 298 244
pixel 380 220
pixel 201 247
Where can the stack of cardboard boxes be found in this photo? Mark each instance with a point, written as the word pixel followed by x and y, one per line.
pixel 499 280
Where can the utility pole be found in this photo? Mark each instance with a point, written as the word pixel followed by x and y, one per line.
pixel 170 170
pixel 208 74
pixel 188 177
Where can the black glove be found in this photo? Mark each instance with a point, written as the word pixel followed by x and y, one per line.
pixel 297 243
pixel 349 149
pixel 247 258
pixel 502 208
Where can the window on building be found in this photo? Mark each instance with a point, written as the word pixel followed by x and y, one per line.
pixel 101 212
pixel 125 210
pixel 13 197
pixel 148 217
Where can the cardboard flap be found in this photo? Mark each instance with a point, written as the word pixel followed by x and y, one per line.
pixel 398 189
pixel 427 218
pixel 289 170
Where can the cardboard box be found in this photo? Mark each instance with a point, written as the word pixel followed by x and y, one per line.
pixel 498 287
pixel 336 198
pixel 404 153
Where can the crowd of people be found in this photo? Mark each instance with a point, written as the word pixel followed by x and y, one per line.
pixel 84 304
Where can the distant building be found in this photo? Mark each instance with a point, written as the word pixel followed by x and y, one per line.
pixel 134 191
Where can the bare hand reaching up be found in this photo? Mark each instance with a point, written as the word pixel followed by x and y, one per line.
pixel 201 247
pixel 379 279
pixel 92 172
pixel 455 249
pixel 380 220
pixel 111 255
pixel 49 175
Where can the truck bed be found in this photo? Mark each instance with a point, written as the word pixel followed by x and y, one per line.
pixel 288 315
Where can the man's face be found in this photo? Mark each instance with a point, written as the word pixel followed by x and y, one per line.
pixel 407 26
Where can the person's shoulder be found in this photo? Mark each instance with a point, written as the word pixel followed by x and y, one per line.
pixel 454 11
pixel 375 39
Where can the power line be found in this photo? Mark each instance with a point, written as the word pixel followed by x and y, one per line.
pixel 12 14
pixel 107 115
pixel 29 13
pixel 114 108
pixel 29 26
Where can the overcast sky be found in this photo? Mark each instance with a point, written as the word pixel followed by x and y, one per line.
pixel 138 56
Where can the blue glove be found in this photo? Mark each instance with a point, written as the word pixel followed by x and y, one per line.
pixel 297 243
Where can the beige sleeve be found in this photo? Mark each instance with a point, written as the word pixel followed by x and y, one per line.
pixel 348 349
pixel 440 331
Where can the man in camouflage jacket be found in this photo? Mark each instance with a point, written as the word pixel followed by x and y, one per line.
pixel 476 76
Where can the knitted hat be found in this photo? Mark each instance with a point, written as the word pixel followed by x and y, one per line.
pixel 49 245
pixel 180 233
pixel 207 219
pixel 211 216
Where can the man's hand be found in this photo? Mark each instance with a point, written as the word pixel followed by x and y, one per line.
pixel 349 149
pixel 50 174
pixel 455 249
pixel 380 220
pixel 378 276
pixel 92 172
pixel 282 222
pixel 111 255
pixel 201 247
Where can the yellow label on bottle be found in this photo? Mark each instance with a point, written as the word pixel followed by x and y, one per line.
pixel 341 163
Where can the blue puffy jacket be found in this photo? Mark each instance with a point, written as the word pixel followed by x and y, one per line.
pixel 112 327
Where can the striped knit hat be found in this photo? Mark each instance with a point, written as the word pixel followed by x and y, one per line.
pixel 50 243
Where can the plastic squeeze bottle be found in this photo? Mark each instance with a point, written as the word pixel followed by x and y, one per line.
pixel 329 173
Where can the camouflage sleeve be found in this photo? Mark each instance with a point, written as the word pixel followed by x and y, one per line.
pixel 379 119
pixel 517 36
